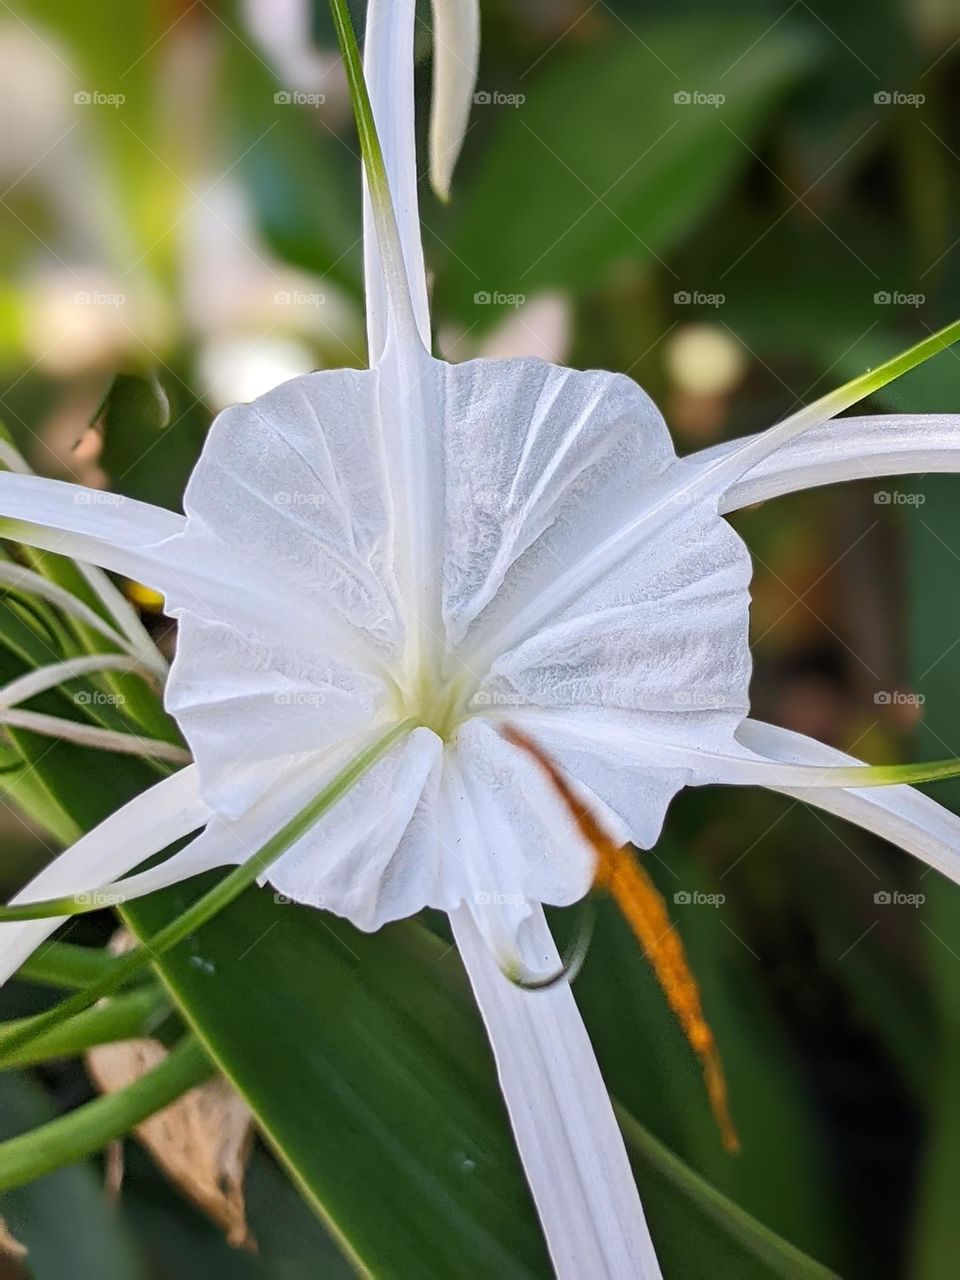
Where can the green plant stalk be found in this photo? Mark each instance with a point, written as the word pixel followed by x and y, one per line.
pixel 84 1131
pixel 126 1017
pixel 63 964
pixel 388 235
pixel 865 384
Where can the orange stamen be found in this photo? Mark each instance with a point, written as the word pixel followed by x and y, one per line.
pixel 643 907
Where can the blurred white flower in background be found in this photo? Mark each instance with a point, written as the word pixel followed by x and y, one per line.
pixel 258 320
pixel 541 326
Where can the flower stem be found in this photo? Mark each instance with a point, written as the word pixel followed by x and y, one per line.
pixel 81 1132
pixel 388 235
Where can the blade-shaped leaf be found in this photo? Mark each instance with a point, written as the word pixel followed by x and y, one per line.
pixel 614 153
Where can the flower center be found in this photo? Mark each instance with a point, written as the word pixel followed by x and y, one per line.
pixel 440 705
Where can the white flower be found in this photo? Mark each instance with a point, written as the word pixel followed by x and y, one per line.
pixel 463 546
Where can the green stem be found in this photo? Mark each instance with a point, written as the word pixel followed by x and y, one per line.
pixel 62 964
pixel 370 147
pixel 86 1130
pixel 126 1017
pixel 388 235
pixel 220 896
pixel 865 384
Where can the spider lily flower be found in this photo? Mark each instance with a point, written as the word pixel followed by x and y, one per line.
pixel 453 549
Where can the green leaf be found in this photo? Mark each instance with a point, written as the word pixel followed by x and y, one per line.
pixel 367 1078
pixel 302 183
pixel 368 1070
pixel 150 440
pixel 600 164
pixel 64 1219
pixel 708 1234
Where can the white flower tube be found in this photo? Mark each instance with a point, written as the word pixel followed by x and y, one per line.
pixel 388 69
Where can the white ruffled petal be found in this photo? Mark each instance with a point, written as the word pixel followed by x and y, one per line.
pixel 900 814
pixel 566 1132
pixel 373 857
pixel 847 449
pixel 540 462
pixel 294 488
pixel 636 771
pixel 525 847
pixel 145 543
pixel 241 701
pixel 368 858
pixel 664 634
pixel 145 825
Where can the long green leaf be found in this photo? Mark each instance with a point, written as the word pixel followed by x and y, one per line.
pixel 368 1070
pixel 610 155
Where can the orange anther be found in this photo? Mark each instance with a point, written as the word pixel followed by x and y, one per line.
pixel 620 873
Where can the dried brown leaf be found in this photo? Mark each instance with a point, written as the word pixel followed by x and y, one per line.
pixel 202 1141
